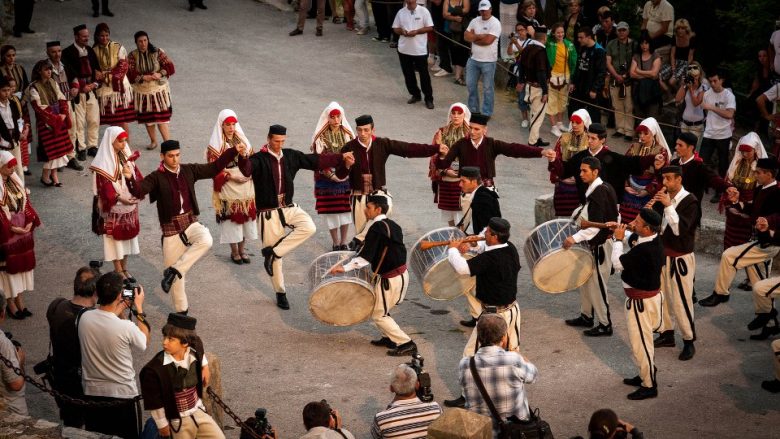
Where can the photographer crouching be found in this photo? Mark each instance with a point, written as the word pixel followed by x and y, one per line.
pixel 323 422
pixel 107 338
pixel 407 415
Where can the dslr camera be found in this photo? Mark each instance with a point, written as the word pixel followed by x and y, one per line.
pixel 691 74
pixel 424 391
pixel 129 288
pixel 259 424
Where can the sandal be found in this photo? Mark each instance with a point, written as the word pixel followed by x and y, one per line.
pixel 49 184
pixel 460 81
pixel 57 184
pixel 238 261
pixel 245 259
pixel 129 277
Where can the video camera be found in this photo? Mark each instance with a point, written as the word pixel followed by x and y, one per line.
pixel 259 424
pixel 424 378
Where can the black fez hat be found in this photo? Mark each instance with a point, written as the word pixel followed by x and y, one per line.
pixel 769 163
pixel 277 129
pixel 376 199
pixel 689 138
pixel 363 120
pixel 52 44
pixel 671 170
pixel 597 128
pixel 499 225
pixel 182 321
pixel 79 28
pixel 479 119
pixel 650 217
pixel 469 172
pixel 169 145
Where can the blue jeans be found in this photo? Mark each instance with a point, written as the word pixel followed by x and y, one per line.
pixel 487 71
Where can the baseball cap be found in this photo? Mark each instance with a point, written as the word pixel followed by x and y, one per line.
pixel 484 5
pixel 622 25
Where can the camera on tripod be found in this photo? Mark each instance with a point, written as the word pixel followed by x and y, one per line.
pixel 259 425
pixel 424 391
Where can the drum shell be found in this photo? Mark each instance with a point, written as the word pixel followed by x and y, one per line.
pixel 554 269
pixel 341 299
pixel 432 269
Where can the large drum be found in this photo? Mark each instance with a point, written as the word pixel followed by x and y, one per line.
pixel 341 299
pixel 438 278
pixel 554 269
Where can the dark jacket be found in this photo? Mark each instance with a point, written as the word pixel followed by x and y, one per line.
pixel 602 208
pixel 72 62
pixel 484 205
pixel 591 70
pixel 381 149
pixel 485 156
pixel 689 213
pixel 157 388
pixel 642 265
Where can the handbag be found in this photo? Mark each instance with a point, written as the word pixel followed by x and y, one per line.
pixel 533 428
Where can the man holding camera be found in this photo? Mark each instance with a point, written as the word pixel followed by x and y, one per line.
pixel 323 422
pixel 11 384
pixel 65 367
pixel 407 415
pixel 619 53
pixel 107 338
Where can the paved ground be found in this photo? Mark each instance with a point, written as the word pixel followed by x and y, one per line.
pixel 238 55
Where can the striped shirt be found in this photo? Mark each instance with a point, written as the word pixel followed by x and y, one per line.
pixel 405 419
pixel 504 374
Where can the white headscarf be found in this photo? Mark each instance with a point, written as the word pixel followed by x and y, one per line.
pixel 5 158
pixel 466 112
pixel 658 135
pixel 322 124
pixel 106 162
pixel 217 144
pixel 584 115
pixel 751 139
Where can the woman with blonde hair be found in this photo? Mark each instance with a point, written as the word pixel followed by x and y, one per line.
pixel 681 56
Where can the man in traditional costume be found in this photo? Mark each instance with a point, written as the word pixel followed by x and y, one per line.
pixel 84 75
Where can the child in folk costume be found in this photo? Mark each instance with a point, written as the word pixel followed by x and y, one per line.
pixel 18 219
pixel 640 188
pixel 566 196
pixel 234 194
pixel 115 210
pixel 52 122
pixel 149 71
pixel 115 94
pixel 447 193
pixel 332 193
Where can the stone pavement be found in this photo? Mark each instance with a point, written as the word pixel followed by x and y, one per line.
pixel 237 55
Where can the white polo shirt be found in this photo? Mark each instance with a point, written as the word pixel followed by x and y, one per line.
pixel 408 20
pixel 491 26
pixel 717 127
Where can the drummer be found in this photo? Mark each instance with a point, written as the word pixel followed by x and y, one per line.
pixel 600 206
pixel 384 249
pixel 495 267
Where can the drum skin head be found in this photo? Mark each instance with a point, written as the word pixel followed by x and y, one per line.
pixel 341 303
pixel 563 270
pixel 441 282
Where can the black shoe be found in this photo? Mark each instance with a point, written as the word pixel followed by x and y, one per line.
pixel 714 300
pixel 762 319
pixel 745 285
pixel 402 350
pixel 635 381
pixel 108 13
pixel 343 247
pixel 643 393
pixel 599 331
pixel 169 276
pixel 688 351
pixel 27 172
pixel 92 151
pixel 771 386
pixel 665 340
pixel 429 105
pixel 201 6
pixel 73 164
pixel 268 263
pixel 81 155
pixel 540 143
pixel 16 316
pixel 470 323
pixel 766 332
pixel 414 100
pixel 192 7
pixel 295 32
pixel 96 14
pixel 616 135
pixel 318 32
pixel 384 342
pixel 582 320
pixel 26 312
pixel 184 313
pixel 281 301
pixel 457 402
pixel 238 261
pixel 245 259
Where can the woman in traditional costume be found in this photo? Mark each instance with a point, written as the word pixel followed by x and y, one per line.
pixel 565 197
pixel 234 194
pixel 51 122
pixel 115 94
pixel 332 193
pixel 17 76
pixel 742 174
pixel 149 71
pixel 446 182
pixel 639 189
pixel 18 219
pixel 115 210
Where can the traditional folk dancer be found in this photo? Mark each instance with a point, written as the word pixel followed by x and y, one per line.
pixel 173 383
pixel 495 267
pixel 331 192
pixel 114 94
pixel 477 149
pixel 681 215
pixel 17 77
pixel 60 77
pixel 234 194
pixel 766 290
pixel 368 176
pixel 115 208
pixel 384 250
pixel 18 219
pixel 84 74
pixel 479 205
pixel 536 72
pixel 751 255
pixel 172 187
pixel 149 71
pixel 641 275
pixel 52 122
pixel 566 196
pixel 600 206
pixel 12 125
pixel 640 187
pixel 273 170
pixel 447 194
